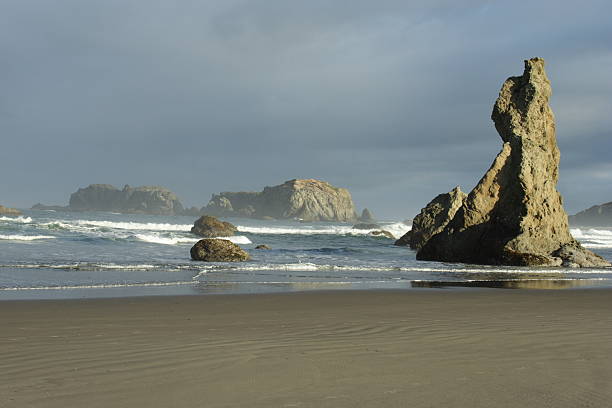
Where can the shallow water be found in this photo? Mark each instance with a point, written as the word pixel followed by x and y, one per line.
pixel 46 254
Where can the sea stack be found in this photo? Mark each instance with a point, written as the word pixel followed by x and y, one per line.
pixel 139 200
pixel 300 199
pixel 515 216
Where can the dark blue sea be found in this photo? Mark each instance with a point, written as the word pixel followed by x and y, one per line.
pixel 46 254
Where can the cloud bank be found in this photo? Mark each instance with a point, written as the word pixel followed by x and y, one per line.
pixel 390 99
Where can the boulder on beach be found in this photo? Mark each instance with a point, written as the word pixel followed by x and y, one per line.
pixel 218 250
pixel 210 227
pixel 514 216
pixel 9 211
pixel 433 218
pixel 304 200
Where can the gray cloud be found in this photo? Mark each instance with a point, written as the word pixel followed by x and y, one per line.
pixel 389 98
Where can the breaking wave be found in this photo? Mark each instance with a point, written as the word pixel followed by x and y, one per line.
pixel 21 219
pixel 137 226
pixel 24 237
pixel 593 238
pixel 397 229
pixel 157 239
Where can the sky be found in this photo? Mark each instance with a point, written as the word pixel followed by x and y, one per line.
pixel 390 99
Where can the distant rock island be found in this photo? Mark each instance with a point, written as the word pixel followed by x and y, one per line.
pixel 9 211
pixel 306 200
pixel 133 200
pixel 596 216
pixel 514 216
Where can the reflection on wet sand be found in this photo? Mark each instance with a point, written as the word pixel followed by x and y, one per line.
pixel 510 284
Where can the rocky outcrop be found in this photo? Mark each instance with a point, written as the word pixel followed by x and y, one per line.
pixel 306 200
pixel 365 226
pixel 382 233
pixel 42 207
pixel 514 216
pixel 145 200
pixel 218 250
pixel 210 227
pixel 433 218
pixel 9 211
pixel 596 216
pixel 366 216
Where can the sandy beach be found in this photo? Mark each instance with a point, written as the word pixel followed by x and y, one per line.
pixel 422 348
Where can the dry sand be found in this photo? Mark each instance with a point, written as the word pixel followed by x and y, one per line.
pixel 427 348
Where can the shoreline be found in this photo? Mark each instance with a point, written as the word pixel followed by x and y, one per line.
pixel 419 348
pixel 172 289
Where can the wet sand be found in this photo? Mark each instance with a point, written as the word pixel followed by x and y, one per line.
pixel 420 348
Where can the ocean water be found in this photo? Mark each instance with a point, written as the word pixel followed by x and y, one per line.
pixel 46 254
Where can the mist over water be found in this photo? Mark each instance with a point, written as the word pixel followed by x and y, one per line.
pixel 45 254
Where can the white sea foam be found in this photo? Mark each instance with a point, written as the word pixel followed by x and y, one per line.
pixel 136 226
pixel 397 229
pixel 307 266
pixel 101 266
pixel 158 239
pixel 20 220
pixel 100 286
pixel 593 238
pixel 238 239
pixel 24 237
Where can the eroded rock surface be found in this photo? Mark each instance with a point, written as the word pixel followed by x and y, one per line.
pixel 433 218
pixel 307 200
pixel 514 216
pixel 218 250
pixel 210 227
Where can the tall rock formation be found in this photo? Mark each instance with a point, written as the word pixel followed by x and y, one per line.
pixel 514 216
pixel 145 200
pixel 595 216
pixel 433 218
pixel 307 200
